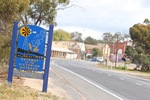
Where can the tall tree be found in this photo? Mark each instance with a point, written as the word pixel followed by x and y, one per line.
pixel 117 36
pixel 107 37
pixel 140 35
pixel 76 36
pixel 42 11
pixel 61 35
pixel 126 37
pixel 146 21
pixel 90 40
pixel 10 10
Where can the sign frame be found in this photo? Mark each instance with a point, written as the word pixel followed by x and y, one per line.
pixel 12 65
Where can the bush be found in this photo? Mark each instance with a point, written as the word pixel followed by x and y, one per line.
pixel 5 42
pixel 121 68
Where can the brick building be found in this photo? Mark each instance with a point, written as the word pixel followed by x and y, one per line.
pixel 117 49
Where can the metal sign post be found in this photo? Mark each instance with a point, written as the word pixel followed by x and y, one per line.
pixel 12 52
pixel 48 55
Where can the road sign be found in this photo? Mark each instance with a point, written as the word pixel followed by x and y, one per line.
pixel 30 49
pixel 30 56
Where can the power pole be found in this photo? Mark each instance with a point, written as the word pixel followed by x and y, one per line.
pixel 116 59
pixel 117 40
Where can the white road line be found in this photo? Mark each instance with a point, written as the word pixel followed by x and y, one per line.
pixel 121 78
pixel 90 82
pixel 138 84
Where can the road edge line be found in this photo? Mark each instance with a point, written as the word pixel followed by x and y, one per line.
pixel 88 81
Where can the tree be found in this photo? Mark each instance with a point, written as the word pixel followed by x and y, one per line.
pixel 61 35
pixel 116 38
pixel 146 21
pixel 26 11
pixel 96 52
pixel 100 41
pixel 107 37
pixel 137 56
pixel 76 36
pixel 90 40
pixel 126 37
pixel 140 35
pixel 42 11
pixel 10 10
pixel 35 12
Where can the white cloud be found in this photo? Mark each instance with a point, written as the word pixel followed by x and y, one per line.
pixel 85 32
pixel 99 16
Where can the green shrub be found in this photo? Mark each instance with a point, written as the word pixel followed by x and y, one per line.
pixel 121 67
pixel 5 42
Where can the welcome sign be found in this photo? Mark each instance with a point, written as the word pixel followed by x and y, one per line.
pixel 30 49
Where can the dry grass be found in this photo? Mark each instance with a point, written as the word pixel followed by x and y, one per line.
pixel 19 92
pixel 3 69
pixel 127 71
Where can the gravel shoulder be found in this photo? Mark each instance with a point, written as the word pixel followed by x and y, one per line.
pixel 57 85
pixel 53 87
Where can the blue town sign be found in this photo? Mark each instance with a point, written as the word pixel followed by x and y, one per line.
pixel 30 48
pixel 28 51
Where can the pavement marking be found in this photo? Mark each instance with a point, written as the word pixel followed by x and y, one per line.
pixel 89 82
pixel 121 78
pixel 138 84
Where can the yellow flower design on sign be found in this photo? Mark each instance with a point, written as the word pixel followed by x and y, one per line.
pixel 25 31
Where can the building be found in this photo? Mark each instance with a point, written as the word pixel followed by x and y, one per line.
pixel 117 49
pixel 67 49
pixel 103 47
pixel 60 49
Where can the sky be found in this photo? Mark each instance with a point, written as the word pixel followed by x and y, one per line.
pixel 95 17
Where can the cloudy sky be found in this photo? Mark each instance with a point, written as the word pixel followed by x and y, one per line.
pixel 94 17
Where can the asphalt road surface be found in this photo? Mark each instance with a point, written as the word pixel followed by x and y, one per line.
pixel 88 82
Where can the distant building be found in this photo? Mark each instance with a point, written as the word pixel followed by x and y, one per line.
pixel 109 50
pixel 103 47
pixel 68 49
pixel 60 49
pixel 117 49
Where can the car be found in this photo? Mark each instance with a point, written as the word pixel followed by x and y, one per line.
pixel 101 59
pixel 97 59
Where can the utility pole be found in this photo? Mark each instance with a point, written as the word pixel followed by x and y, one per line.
pixel 116 59
pixel 118 38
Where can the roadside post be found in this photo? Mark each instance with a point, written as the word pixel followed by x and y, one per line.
pixel 48 55
pixel 12 52
pixel 30 53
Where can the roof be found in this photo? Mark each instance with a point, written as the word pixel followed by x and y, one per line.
pixel 99 46
pixel 62 50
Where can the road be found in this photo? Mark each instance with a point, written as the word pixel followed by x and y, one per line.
pixel 88 82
